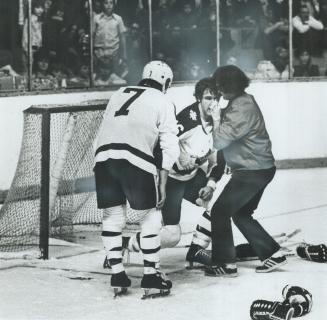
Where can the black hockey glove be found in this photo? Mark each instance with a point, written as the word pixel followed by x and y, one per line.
pixel 270 310
pixel 298 298
pixel 316 253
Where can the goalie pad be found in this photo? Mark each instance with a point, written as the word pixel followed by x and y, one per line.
pixel 298 298
pixel 270 310
pixel 316 253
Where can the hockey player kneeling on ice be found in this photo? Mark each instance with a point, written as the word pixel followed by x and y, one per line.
pixel 137 118
pixel 298 298
pixel 188 178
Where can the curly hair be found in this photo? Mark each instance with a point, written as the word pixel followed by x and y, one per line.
pixel 230 79
pixel 202 85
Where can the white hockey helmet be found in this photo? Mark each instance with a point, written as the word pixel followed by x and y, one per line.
pixel 160 72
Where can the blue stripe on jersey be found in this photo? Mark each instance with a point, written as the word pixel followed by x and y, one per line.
pixel 127 147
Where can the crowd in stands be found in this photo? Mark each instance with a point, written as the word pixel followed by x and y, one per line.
pixel 253 34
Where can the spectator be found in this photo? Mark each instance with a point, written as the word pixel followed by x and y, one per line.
pixel 97 6
pixel 53 30
pixel 106 77
pixel 36 31
pixel 6 61
pixel 82 79
pixel 232 60
pixel 305 68
pixel 281 61
pixel 47 9
pixel 266 70
pixel 136 52
pixel 109 35
pixel 192 71
pixel 272 33
pixel 57 70
pixel 307 32
pixel 131 10
pixel 279 9
pixel 70 50
pixel 247 13
pixel 162 16
pixel 42 78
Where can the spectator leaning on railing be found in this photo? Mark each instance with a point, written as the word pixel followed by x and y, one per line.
pixel 307 32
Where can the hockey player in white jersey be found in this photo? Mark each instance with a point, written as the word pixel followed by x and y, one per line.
pixel 188 177
pixel 137 118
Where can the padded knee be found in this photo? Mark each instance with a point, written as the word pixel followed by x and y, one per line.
pixel 114 218
pixel 170 235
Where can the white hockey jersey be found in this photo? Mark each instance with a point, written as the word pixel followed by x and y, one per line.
pixel 195 139
pixel 135 120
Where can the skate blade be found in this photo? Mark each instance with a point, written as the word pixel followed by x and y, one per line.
pixel 120 291
pixel 154 295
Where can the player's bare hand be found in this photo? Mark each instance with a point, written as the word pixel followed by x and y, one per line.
pixel 206 193
pixel 160 203
pixel 187 161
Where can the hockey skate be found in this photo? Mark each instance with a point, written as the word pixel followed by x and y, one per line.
pixel 197 257
pixel 155 285
pixel 120 283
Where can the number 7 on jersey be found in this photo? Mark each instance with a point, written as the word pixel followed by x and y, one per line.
pixel 123 111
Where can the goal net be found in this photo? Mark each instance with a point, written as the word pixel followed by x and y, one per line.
pixel 53 188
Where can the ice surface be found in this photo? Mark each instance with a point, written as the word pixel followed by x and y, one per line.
pixel 76 287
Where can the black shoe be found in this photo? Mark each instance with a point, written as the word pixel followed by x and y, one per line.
pixel 271 264
pixel 220 271
pixel 155 281
pixel 120 280
pixel 196 254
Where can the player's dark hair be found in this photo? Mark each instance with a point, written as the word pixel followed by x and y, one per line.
pixel 230 79
pixel 202 85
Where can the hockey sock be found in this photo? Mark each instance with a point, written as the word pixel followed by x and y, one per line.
pixel 112 242
pixel 150 240
pixel 112 224
pixel 202 235
pixel 150 246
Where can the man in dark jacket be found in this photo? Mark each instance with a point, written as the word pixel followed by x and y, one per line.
pixel 242 136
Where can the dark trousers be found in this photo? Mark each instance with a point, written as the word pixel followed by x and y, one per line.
pixel 238 201
pixel 176 191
